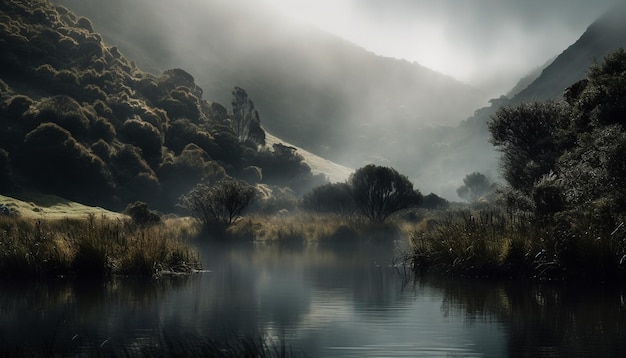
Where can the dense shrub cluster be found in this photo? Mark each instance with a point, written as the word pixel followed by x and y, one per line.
pixel 569 154
pixel 78 119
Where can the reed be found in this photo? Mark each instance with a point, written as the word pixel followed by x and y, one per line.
pixel 94 247
pixel 498 244
pixel 310 227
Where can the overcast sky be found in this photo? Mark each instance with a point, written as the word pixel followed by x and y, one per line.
pixel 489 44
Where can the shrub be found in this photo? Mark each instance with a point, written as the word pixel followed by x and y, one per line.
pixel 144 136
pixel 6 181
pixel 330 198
pixel 55 163
pixel 220 203
pixel 141 214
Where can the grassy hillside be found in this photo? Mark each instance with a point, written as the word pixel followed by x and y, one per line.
pixel 52 207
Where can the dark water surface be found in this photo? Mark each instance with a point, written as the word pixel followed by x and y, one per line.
pixel 325 302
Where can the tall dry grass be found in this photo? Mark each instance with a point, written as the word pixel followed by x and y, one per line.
pixel 498 244
pixel 311 227
pixel 93 246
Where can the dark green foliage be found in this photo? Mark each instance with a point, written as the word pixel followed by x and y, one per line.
pixel 144 136
pixel 283 166
pixel 568 155
pixel 246 121
pixel 6 181
pixel 63 111
pixel 79 120
pixel 101 128
pixel 182 132
pixel 602 99
pixel 218 204
pixel 475 186
pixel 548 196
pixel 179 174
pixel 135 178
pixel 330 198
pixel 141 214
pixel 531 137
pixel 381 191
pixel 181 103
pixel 56 163
pixel 252 174
pixel 433 201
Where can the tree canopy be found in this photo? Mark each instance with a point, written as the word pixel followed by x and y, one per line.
pixel 381 191
pixel 566 155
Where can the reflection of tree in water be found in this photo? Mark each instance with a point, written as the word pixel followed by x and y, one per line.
pixel 542 320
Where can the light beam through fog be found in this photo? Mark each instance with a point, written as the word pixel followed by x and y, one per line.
pixel 489 44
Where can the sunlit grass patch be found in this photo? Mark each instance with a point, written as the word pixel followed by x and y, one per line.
pixel 283 228
pixel 312 227
pixel 93 246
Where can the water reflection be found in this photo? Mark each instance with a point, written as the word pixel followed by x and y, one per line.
pixel 326 301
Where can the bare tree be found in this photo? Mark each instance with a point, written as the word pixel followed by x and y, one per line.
pixel 220 204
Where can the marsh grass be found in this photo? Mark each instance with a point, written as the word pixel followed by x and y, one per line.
pixel 308 227
pixel 494 243
pixel 94 247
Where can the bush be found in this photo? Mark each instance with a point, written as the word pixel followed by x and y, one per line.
pixel 141 214
pixel 144 136
pixel 56 163
pixel 220 203
pixel 330 198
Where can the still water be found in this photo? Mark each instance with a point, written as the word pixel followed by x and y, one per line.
pixel 345 301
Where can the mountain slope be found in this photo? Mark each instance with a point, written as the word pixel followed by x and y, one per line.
pixel 466 148
pixel 603 36
pixel 81 121
pixel 312 89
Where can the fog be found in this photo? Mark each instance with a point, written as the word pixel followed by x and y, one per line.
pixel 489 44
pixel 441 61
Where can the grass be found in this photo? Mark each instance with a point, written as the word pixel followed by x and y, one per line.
pixel 37 205
pixel 493 243
pixel 94 247
pixel 308 227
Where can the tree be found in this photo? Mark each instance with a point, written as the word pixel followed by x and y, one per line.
pixel 531 137
pixel 218 204
pixel 246 122
pixel 330 198
pixel 475 186
pixel 380 191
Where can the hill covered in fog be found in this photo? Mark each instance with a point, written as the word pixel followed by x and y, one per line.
pixel 602 37
pixel 465 148
pixel 314 89
pixel 80 120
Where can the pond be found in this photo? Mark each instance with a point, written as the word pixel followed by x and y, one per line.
pixel 348 301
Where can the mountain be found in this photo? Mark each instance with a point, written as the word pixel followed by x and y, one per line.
pixel 80 120
pixel 603 36
pixel 312 89
pixel 465 148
